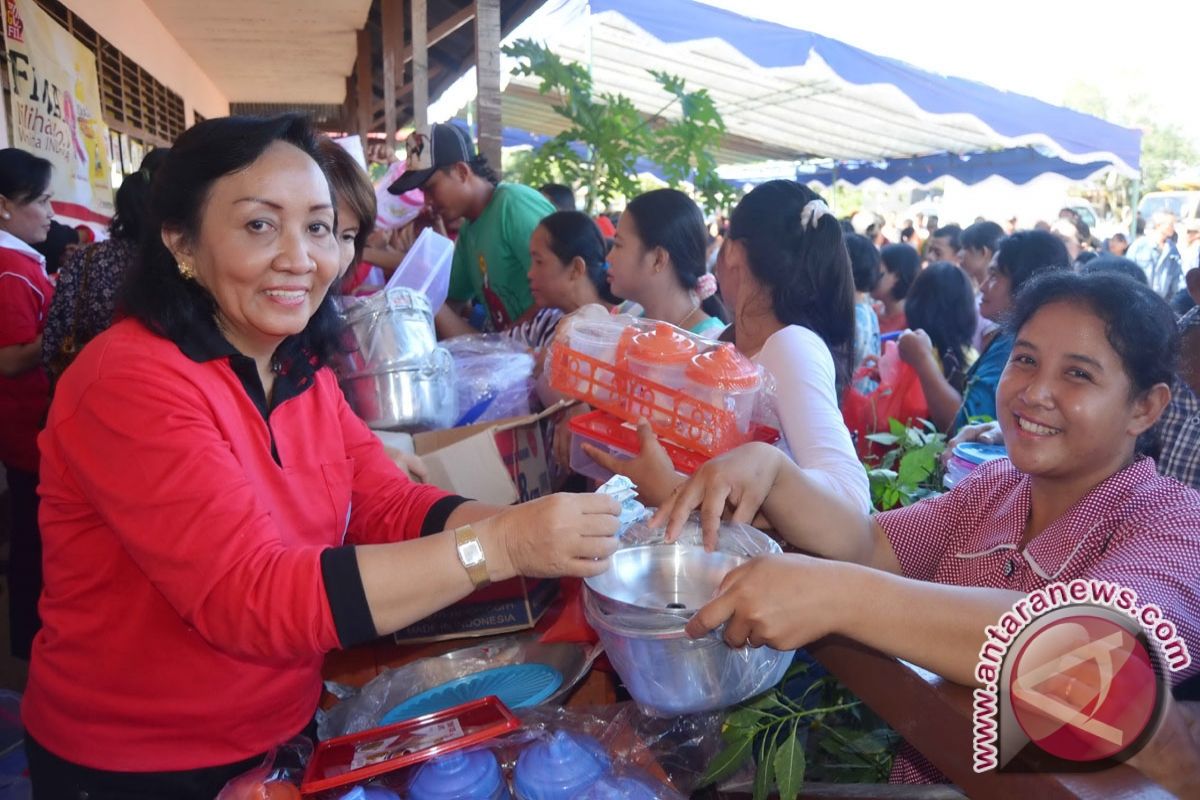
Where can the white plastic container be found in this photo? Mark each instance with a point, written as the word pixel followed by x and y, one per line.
pixel 426 267
pixel 660 355
pixel 726 379
pixel 598 339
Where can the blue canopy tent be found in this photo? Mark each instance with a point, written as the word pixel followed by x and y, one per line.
pixel 793 95
pixel 1017 165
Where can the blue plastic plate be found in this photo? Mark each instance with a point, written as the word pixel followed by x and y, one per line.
pixel 517 686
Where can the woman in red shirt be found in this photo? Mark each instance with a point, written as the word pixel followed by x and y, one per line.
pixel 215 517
pixel 1088 377
pixel 25 295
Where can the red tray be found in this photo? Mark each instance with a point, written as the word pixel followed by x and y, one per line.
pixel 604 427
pixel 383 750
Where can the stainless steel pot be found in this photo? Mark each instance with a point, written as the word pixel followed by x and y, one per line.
pixel 669 674
pixel 389 329
pixel 414 397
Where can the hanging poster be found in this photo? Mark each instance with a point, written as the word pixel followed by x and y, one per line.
pixel 56 109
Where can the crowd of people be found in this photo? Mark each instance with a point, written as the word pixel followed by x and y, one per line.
pixel 256 523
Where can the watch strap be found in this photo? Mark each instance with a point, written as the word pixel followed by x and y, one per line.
pixel 471 555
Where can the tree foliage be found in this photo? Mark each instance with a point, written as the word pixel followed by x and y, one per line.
pixel 606 134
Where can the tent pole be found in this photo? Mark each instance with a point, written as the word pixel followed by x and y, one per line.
pixel 1135 197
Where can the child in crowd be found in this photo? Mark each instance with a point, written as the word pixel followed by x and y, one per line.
pixel 901 264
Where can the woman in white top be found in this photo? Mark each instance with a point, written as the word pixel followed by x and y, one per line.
pixel 786 276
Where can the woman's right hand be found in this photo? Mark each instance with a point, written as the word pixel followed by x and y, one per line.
pixel 556 536
pixel 984 433
pixel 738 481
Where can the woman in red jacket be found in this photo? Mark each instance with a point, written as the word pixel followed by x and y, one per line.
pixel 25 294
pixel 215 517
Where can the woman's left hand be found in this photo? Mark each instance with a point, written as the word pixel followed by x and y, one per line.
pixel 651 469
pixel 783 601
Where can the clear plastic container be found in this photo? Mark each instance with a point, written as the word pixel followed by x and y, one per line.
pixel 966 457
pixel 582 463
pixel 598 339
pixel 660 355
pixel 426 267
pixel 726 379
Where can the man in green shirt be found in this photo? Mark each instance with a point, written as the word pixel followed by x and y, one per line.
pixel 491 255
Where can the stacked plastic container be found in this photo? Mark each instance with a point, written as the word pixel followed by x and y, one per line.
pixel 699 396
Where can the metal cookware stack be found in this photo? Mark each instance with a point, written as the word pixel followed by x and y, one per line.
pixel 640 606
pixel 392 372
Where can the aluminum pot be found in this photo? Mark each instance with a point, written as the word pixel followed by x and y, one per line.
pixel 392 328
pixel 669 674
pixel 661 582
pixel 413 397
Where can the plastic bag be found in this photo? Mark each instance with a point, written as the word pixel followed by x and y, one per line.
pixel 668 756
pixel 396 211
pixel 494 377
pixel 277 778
pixel 426 267
pixel 898 396
pixel 362 710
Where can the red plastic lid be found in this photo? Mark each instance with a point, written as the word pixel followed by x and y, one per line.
pixel 665 343
pixel 723 367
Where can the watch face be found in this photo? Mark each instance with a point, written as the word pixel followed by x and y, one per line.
pixel 471 552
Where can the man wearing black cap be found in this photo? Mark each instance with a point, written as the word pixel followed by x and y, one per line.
pixel 491 255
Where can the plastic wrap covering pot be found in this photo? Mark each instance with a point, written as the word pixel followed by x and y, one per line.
pixel 415 396
pixel 389 329
pixel 640 606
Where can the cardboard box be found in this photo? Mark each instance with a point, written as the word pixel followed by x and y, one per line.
pixel 501 462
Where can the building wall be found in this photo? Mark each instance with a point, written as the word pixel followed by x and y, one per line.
pixel 134 30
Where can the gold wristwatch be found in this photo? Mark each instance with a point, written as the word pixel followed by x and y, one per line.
pixel 470 553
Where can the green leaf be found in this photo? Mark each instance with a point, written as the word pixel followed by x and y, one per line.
pixel 885 439
pixel 790 767
pixel 727 762
pixel 897 428
pixel 752 718
pixel 764 772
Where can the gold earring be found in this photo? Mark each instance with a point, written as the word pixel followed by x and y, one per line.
pixel 186 270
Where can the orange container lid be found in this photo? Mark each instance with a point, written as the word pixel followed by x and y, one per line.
pixel 663 344
pixel 723 367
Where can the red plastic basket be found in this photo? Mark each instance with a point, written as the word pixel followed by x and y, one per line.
pixel 604 427
pixel 689 423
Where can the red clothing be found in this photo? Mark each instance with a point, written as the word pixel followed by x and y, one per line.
pixel 25 295
pixel 1135 529
pixel 896 322
pixel 185 604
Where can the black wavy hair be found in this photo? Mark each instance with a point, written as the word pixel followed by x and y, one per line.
pixel 1026 253
pixel 1138 323
pixel 806 269
pixel 904 262
pixel 864 261
pixel 23 176
pixel 154 292
pixel 941 302
pixel 1116 264
pixel 669 219
pixel 133 198
pixel 573 234
pixel 981 235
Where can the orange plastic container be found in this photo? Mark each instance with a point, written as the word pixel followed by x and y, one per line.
pixel 630 395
